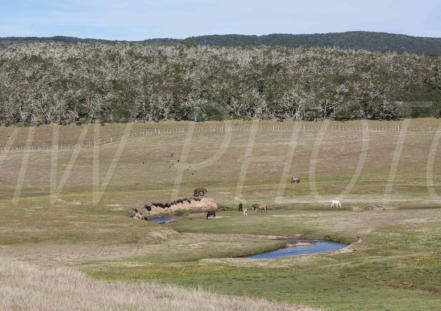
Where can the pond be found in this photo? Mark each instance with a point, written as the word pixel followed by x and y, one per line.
pixel 315 247
pixel 163 219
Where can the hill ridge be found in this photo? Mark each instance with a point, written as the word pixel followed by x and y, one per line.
pixel 357 40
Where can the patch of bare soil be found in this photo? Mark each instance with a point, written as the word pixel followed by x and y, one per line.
pixel 220 217
pixel 348 249
pixel 373 208
pixel 193 204
pixel 239 235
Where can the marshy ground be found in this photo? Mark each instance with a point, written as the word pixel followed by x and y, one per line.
pixel 396 266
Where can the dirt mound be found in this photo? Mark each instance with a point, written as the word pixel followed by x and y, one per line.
pixel 191 204
pixel 138 215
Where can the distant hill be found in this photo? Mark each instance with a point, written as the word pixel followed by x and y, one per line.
pixel 357 40
pixel 6 41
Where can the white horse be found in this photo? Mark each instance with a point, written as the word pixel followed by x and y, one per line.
pixel 335 204
pixel 245 211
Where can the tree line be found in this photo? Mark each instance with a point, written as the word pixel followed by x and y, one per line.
pixel 352 40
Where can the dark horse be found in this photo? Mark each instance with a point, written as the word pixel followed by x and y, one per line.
pixel 295 180
pixel 211 214
pixel 240 207
pixel 200 192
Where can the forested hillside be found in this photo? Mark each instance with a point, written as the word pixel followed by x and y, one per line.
pixel 355 40
pixel 73 82
pixel 6 41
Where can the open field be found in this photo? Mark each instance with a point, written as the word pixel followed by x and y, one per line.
pixel 23 287
pixel 148 167
pixel 387 178
pixel 398 261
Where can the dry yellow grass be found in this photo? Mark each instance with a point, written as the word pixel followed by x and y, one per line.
pixel 148 167
pixel 24 287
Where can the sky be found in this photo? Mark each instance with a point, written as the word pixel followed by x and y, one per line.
pixel 145 19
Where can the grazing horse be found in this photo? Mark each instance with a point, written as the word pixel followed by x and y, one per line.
pixel 200 192
pixel 260 207
pixel 240 207
pixel 245 211
pixel 211 214
pixel 335 204
pixel 295 179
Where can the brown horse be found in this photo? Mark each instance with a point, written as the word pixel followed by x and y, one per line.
pixel 260 207
pixel 200 192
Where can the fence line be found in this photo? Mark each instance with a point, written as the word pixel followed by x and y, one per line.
pixel 356 130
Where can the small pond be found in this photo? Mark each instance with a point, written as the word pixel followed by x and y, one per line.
pixel 315 247
pixel 163 219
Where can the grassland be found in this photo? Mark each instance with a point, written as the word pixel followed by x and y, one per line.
pixel 398 262
pixel 24 287
pixel 395 267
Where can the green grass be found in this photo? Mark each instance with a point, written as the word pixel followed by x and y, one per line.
pixel 345 289
pixel 338 225
pixel 398 265
pixel 34 220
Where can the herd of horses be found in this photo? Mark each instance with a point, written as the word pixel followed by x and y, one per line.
pixel 241 208
pixel 259 207
pixel 200 192
pixel 263 208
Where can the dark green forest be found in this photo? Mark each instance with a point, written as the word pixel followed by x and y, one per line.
pixel 73 82
pixel 356 40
